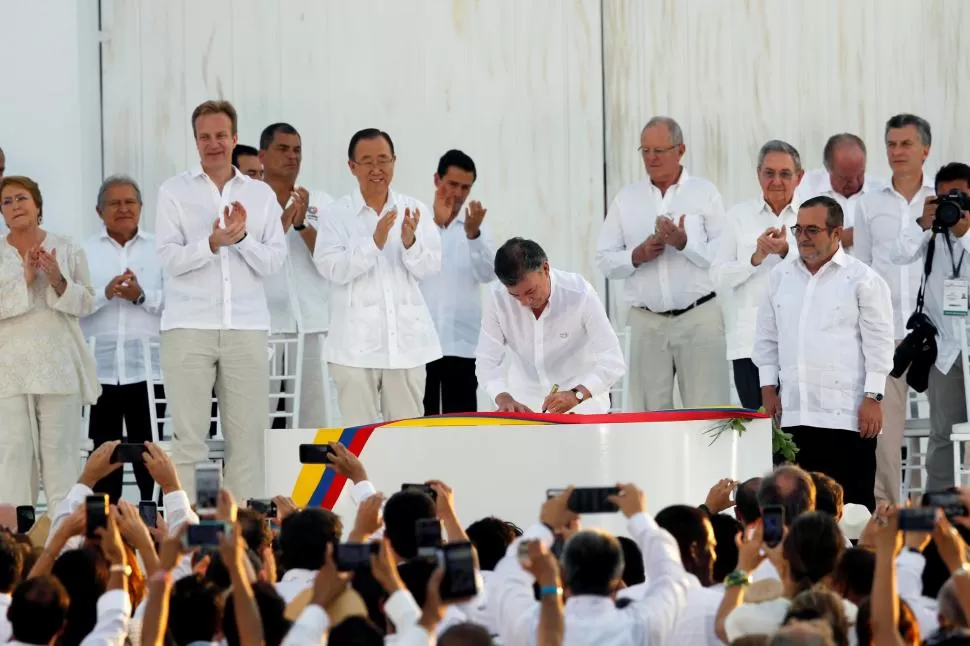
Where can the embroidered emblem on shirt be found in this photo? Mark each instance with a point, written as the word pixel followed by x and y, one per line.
pixel 563 335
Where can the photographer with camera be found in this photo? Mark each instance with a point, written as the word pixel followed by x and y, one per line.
pixel 938 237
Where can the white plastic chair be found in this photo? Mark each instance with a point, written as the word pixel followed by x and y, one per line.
pixel 620 393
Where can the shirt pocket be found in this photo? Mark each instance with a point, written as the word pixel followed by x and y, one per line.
pixel 415 327
pixel 366 333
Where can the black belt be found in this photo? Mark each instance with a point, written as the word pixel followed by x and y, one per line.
pixel 699 301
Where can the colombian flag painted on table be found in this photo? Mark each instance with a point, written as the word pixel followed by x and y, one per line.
pixel 320 486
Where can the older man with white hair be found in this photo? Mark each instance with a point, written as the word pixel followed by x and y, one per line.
pixel 660 236
pixel 755 240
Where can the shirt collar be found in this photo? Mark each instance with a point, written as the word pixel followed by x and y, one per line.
pixel 841 258
pixel 299 575
pixel 927 183
pixel 197 172
pixel 680 180
pixel 767 207
pixel 138 235
pixel 825 184
pixel 357 200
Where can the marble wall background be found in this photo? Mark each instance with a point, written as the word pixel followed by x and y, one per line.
pixel 548 96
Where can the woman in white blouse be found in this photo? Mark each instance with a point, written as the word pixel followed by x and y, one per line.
pixel 47 373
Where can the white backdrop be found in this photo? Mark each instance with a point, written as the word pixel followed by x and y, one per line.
pixel 518 85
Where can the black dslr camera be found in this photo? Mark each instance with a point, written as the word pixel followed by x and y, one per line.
pixel 917 352
pixel 949 209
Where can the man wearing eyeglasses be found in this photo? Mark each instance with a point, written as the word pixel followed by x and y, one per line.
pixel 659 237
pixel 755 240
pixel 843 178
pixel 375 246
pixel 880 216
pixel 825 335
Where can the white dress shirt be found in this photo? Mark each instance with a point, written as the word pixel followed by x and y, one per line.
pixel 817 182
pixel 766 617
pixel 740 285
pixel 571 343
pixel 294 582
pixel 695 624
pixel 675 279
pixel 453 295
pixel 222 290
pixel 879 218
pixel 120 328
pixel 828 337
pixel 297 292
pixel 911 247
pixel 593 619
pixel 5 630
pixel 378 317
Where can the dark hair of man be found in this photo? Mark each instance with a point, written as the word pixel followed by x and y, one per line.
pixel 491 537
pixel 591 561
pixel 790 487
pixel 853 573
pixel 820 603
pixel 459 160
pixel 633 572
pixel 812 547
pixel 84 574
pixel 834 216
pixel 907 626
pixel 195 610
pixel 242 150
pixel 402 512
pixel 356 631
pixel 269 133
pixel 11 562
pixel 218 573
pixel 272 610
pixel 829 494
pixel 367 133
pixel 516 258
pixel 465 634
pixel 922 126
pixel 255 531
pixel 686 525
pixel 841 140
pixel 304 536
pixel 746 501
pixel 726 529
pixel 952 172
pixel 38 610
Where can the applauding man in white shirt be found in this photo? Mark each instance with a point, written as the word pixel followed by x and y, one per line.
pixel 755 240
pixel 218 236
pixel 453 294
pixel 374 246
pixel 825 334
pixel 565 354
pixel 659 237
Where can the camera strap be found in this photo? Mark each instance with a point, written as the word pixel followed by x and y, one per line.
pixel 927 268
pixel 955 265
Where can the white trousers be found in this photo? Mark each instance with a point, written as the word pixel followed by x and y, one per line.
pixel 689 347
pixel 39 434
pixel 367 395
pixel 237 364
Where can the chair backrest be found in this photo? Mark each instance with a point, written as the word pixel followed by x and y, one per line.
pixel 620 393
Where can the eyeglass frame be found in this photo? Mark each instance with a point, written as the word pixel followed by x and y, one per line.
pixel 376 163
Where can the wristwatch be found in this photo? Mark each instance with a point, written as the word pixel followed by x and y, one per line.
pixel 124 569
pixel 579 394
pixel 299 227
pixel 876 396
pixel 140 299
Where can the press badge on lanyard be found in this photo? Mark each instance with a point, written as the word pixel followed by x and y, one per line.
pixel 956 290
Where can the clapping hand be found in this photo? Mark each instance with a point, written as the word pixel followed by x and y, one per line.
pixel 409 227
pixel 295 213
pixel 474 215
pixel 672 234
pixel 444 205
pixel 233 227
pixel 47 263
pixel 384 228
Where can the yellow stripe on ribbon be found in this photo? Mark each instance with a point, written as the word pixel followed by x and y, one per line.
pixel 310 474
pixel 463 421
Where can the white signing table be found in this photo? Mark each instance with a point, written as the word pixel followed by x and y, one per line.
pixel 502 465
